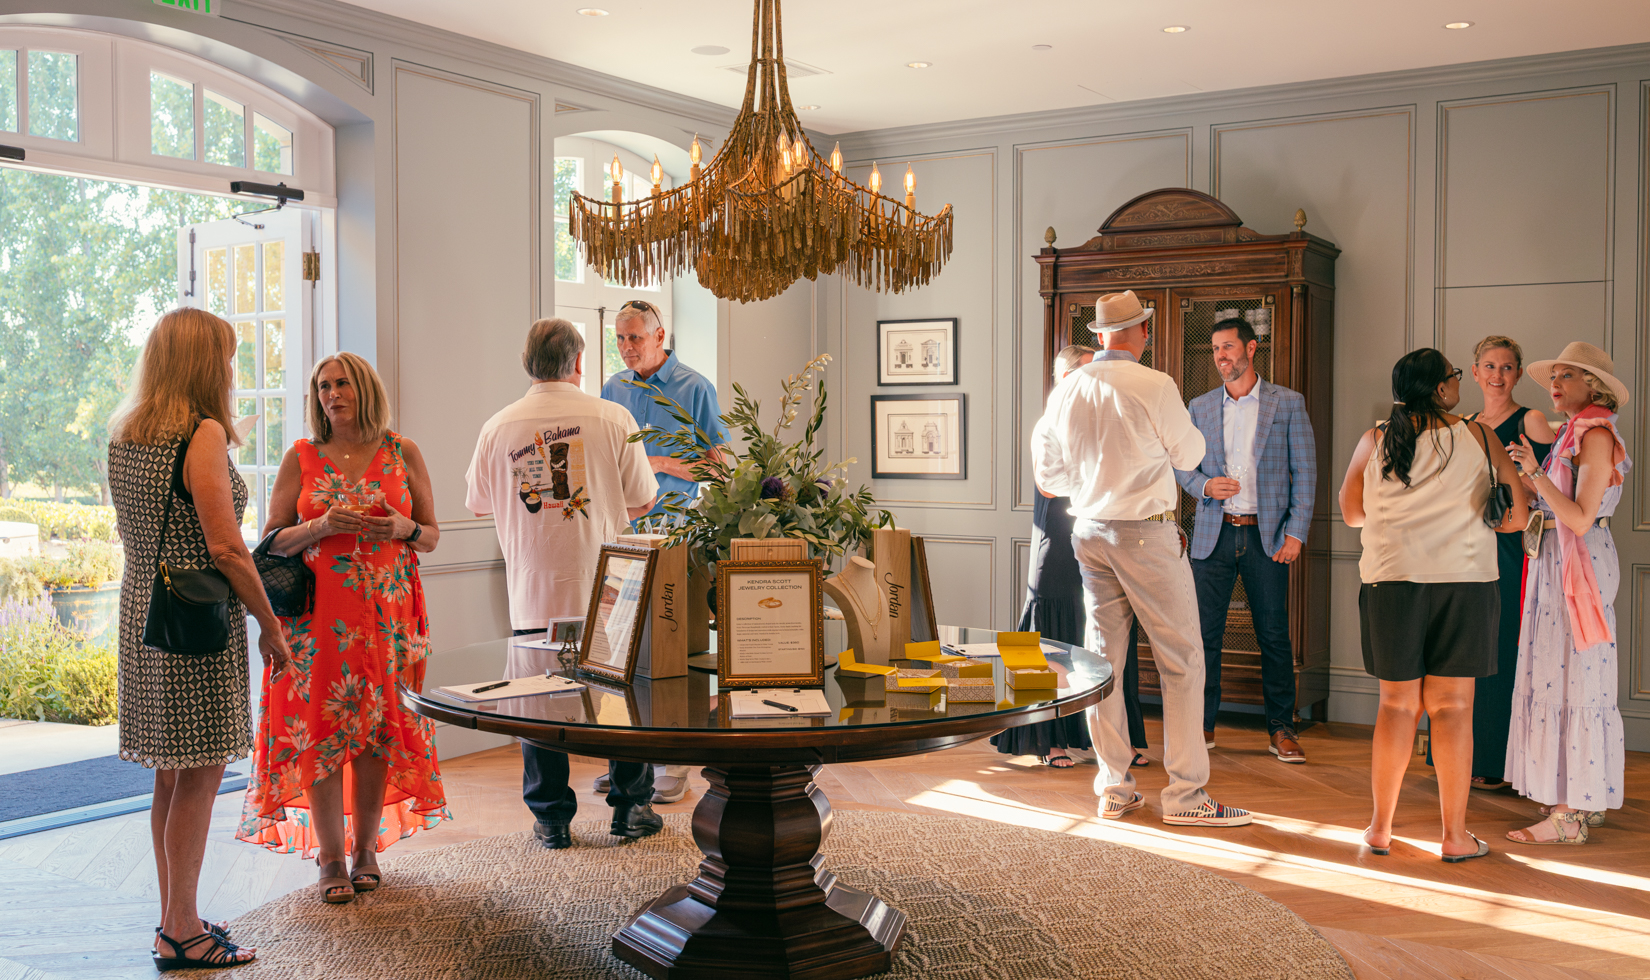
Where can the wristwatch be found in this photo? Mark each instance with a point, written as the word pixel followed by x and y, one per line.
pixel 418 529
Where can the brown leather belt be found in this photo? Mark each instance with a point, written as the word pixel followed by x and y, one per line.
pixel 1167 515
pixel 1551 524
pixel 1241 520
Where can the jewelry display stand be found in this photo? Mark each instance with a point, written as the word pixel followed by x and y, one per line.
pixel 864 607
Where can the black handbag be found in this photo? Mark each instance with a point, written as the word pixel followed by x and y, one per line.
pixel 188 607
pixel 288 582
pixel 1501 501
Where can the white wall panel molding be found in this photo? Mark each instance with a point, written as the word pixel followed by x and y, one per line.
pixel 354 64
pixel 962 569
pixel 598 87
pixel 1021 549
pixel 1641 304
pixel 1636 679
pixel 1384 85
pixel 1025 356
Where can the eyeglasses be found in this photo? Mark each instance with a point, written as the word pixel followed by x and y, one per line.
pixel 639 304
pixel 1453 375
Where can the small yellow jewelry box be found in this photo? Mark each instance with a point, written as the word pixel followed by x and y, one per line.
pixel 970 689
pixel 1021 650
pixel 1032 679
pixel 847 663
pixel 914 699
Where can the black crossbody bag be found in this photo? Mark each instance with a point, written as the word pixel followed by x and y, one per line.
pixel 1495 508
pixel 188 607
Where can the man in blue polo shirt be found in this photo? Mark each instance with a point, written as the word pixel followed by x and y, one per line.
pixel 641 336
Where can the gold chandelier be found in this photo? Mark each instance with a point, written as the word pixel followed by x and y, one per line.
pixel 766 211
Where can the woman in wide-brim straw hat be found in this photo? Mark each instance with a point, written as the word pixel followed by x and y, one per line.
pixel 1565 747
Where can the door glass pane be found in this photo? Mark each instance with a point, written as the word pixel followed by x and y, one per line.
pixel 271 145
pixel 246 355
pixel 217 281
pixel 274 353
pixel 274 276
pixel 246 280
pixel 171 117
pixel 274 430
pixel 8 91
pixel 54 103
pixel 612 363
pixel 247 454
pixel 254 487
pixel 569 178
pixel 225 131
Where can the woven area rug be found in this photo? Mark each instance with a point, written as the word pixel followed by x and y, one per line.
pixel 984 900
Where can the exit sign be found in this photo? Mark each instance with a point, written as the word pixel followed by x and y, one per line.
pixel 193 6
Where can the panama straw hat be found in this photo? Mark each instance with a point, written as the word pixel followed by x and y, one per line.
pixel 1114 311
pixel 1589 359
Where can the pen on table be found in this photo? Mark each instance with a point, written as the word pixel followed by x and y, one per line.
pixel 490 687
pixel 776 704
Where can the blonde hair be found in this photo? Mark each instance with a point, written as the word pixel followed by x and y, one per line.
pixel 183 376
pixel 1602 395
pixel 1494 341
pixel 1070 359
pixel 372 402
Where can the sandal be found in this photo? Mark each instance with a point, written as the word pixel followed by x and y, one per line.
pixel 1569 825
pixel 1054 761
pixel 1595 818
pixel 222 953
pixel 219 929
pixel 1483 850
pixel 366 877
pixel 1139 762
pixel 335 888
pixel 1486 783
pixel 1382 851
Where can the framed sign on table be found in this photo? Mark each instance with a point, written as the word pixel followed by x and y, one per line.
pixel 919 437
pixel 917 352
pixel 618 611
pixel 770 622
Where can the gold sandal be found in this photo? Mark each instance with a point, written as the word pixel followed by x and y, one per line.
pixel 334 887
pixel 1570 825
pixel 1595 818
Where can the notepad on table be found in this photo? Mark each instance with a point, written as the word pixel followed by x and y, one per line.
pixel 521 687
pixel 764 703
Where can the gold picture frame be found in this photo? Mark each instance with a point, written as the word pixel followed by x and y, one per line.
pixel 619 604
pixel 766 611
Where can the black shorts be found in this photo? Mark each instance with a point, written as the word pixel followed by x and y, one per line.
pixel 1446 629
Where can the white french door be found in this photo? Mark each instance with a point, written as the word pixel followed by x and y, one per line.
pixel 253 275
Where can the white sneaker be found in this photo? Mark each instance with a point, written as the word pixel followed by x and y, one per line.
pixel 1209 814
pixel 669 789
pixel 1113 807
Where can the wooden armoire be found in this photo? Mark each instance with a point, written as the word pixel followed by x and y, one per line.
pixel 1188 256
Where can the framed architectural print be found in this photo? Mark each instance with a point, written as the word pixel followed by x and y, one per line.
pixel 917 352
pixel 919 437
pixel 770 623
pixel 618 611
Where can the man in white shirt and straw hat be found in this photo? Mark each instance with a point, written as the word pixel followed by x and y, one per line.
pixel 1111 438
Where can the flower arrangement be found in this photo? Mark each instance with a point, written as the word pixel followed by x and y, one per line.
pixel 773 489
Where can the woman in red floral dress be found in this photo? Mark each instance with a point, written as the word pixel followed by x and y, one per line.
pixel 340 765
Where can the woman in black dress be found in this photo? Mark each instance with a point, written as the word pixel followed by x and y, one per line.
pixel 1497 366
pixel 1054 608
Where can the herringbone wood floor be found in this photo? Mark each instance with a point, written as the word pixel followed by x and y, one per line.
pixel 79 903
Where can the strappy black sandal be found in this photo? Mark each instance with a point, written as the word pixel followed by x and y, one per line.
pixel 221 955
pixel 219 929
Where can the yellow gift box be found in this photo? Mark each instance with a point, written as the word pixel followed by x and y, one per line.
pixel 1032 679
pixel 918 680
pixel 913 699
pixel 1021 650
pixel 929 655
pixel 848 664
pixel 970 689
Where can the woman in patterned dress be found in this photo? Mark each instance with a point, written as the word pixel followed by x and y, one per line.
pixel 1566 749
pixel 184 716
pixel 334 743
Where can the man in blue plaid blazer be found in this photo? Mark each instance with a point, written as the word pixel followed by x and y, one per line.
pixel 1254 492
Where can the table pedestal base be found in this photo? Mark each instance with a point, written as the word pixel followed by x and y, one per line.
pixel 762 906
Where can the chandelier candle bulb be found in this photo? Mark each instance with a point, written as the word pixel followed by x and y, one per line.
pixel 836 159
pixel 910 189
pixel 876 179
pixel 658 174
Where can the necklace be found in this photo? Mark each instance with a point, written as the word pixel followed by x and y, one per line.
pixel 851 589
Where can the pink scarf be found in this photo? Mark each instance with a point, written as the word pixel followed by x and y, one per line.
pixel 1581 596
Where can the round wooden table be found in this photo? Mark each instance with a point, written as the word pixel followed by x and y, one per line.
pixel 763 904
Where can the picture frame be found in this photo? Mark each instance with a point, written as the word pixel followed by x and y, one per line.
pixel 917 352
pixel 618 611
pixel 770 619
pixel 923 626
pixel 919 437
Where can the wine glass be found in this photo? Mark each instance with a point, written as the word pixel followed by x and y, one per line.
pixel 361 503
pixel 1240 473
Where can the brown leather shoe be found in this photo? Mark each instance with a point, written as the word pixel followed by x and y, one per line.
pixel 1208 738
pixel 1286 747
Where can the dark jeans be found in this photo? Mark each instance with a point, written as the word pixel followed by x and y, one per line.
pixel 1266 582
pixel 544 781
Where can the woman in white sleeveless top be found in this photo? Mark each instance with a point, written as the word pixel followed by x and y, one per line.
pixel 1430 604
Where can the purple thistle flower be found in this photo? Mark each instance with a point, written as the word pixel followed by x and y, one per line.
pixel 773 487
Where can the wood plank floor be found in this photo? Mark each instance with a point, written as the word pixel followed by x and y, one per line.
pixel 79 903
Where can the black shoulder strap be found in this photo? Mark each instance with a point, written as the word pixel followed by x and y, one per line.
pixel 1483 440
pixel 174 489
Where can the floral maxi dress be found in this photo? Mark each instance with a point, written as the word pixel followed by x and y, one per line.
pixel 338 700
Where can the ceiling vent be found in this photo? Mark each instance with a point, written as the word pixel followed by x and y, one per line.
pixel 793 69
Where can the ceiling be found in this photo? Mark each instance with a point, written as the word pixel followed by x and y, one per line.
pixel 982 55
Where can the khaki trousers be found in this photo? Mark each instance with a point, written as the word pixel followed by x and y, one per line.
pixel 1137 569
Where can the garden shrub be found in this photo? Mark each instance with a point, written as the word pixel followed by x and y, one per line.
pixel 18 582
pixel 88 564
pixel 46 672
pixel 70 522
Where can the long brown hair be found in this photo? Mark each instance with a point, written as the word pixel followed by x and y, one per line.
pixel 182 377
pixel 372 401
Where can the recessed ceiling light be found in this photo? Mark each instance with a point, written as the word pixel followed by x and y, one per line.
pixel 919 64
pixel 1042 47
pixel 710 49
pixel 807 108
pixel 1176 29
pixel 1459 25
pixel 592 11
